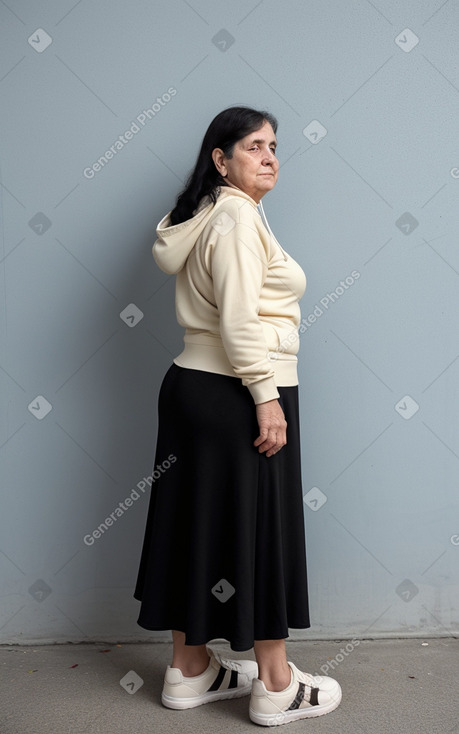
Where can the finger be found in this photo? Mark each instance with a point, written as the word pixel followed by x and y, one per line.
pixel 262 437
pixel 277 447
pixel 275 450
pixel 270 442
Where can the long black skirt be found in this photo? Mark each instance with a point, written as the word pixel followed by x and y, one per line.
pixel 224 551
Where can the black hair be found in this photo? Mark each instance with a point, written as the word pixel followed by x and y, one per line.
pixel 224 131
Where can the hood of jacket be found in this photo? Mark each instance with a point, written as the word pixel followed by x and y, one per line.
pixel 175 242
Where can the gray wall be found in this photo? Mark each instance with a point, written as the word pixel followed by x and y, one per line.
pixel 367 96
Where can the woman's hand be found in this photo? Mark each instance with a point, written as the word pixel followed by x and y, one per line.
pixel 273 427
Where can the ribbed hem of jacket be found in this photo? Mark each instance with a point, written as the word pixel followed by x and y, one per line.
pixel 212 358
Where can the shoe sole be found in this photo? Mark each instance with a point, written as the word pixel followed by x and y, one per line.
pixel 189 703
pixel 284 717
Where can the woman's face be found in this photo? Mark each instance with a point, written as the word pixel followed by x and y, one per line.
pixel 254 167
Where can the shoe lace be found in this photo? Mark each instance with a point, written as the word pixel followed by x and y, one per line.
pixel 232 664
pixel 307 678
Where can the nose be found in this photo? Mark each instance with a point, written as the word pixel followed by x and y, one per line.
pixel 269 157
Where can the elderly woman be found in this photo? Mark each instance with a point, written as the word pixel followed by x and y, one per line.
pixel 224 550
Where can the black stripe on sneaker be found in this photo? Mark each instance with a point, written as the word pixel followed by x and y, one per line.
pixel 298 698
pixel 233 680
pixel 314 698
pixel 218 680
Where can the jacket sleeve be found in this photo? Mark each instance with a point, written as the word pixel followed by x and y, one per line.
pixel 238 266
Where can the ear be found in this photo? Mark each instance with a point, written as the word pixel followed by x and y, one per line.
pixel 218 158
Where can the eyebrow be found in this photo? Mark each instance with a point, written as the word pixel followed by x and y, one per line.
pixel 261 140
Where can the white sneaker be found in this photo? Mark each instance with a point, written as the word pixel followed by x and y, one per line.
pixel 304 697
pixel 222 679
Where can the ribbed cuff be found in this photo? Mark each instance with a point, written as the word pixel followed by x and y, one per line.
pixel 264 390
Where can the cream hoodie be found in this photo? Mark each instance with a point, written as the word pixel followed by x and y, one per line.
pixel 237 293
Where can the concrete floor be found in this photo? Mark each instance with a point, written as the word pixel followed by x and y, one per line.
pixel 394 686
